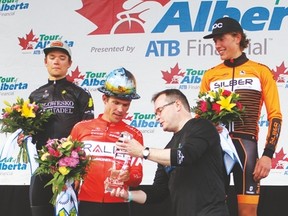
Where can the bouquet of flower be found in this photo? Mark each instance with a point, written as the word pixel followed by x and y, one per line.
pixel 65 159
pixel 220 106
pixel 30 117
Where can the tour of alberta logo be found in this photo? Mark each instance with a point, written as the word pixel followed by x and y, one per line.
pixel 33 44
pixel 281 75
pixel 280 162
pixel 128 16
pixel 10 84
pixel 156 16
pixel 89 80
pixel 188 78
pixel 10 7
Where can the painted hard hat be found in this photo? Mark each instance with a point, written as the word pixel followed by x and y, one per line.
pixel 120 83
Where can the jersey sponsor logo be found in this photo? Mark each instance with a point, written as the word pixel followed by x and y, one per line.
pixel 106 151
pixel 237 83
pixel 180 157
pixel 66 107
pixel 103 149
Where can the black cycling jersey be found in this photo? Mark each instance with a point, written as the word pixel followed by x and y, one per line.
pixel 69 103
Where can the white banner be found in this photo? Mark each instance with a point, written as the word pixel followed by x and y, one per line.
pixel 160 42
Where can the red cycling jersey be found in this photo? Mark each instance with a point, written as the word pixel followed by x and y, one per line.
pixel 99 137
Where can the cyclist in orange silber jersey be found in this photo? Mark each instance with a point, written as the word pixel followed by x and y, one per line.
pixel 256 85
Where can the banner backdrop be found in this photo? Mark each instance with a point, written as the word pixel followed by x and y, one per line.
pixel 159 41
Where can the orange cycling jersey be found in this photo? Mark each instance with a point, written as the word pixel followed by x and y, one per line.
pixel 99 137
pixel 255 84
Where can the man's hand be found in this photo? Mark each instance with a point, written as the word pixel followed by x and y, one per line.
pixel 262 168
pixel 120 192
pixel 219 128
pixel 20 139
pixel 124 175
pixel 76 185
pixel 131 147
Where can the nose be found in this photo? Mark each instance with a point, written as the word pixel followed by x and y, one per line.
pixel 157 117
pixel 120 108
pixel 217 43
pixel 56 61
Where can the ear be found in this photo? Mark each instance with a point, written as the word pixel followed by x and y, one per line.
pixel 179 105
pixel 238 38
pixel 70 64
pixel 104 98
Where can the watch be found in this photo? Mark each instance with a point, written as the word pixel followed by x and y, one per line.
pixel 146 153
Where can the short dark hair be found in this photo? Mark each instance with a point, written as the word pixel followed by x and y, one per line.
pixel 244 40
pixel 173 94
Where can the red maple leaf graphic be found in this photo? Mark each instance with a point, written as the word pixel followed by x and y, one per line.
pixel 280 160
pixel 279 70
pixel 173 76
pixel 75 75
pixel 25 43
pixel 128 118
pixel 98 11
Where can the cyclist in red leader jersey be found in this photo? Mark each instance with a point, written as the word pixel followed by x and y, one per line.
pixel 255 84
pixel 99 136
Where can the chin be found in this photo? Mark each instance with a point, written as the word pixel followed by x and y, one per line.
pixel 223 58
pixel 164 129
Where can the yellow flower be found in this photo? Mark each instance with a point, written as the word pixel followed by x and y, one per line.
pixel 27 110
pixel 212 94
pixel 63 170
pixel 67 145
pixel 8 110
pixel 225 103
pixel 44 156
pixel 7 103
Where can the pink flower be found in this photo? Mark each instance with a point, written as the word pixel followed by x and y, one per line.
pixel 53 152
pixel 36 107
pixel 239 105
pixel 203 106
pixel 17 108
pixel 50 142
pixel 69 161
pixel 226 93
pixel 216 107
pixel 74 154
pixel 77 149
pixel 5 115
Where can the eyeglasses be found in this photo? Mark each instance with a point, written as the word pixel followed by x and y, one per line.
pixel 160 109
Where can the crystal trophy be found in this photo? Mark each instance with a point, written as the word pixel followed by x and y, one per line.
pixel 121 163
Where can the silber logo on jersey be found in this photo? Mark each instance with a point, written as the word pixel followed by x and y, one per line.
pixel 237 83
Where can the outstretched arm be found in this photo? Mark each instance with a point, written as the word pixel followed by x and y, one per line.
pixel 135 149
